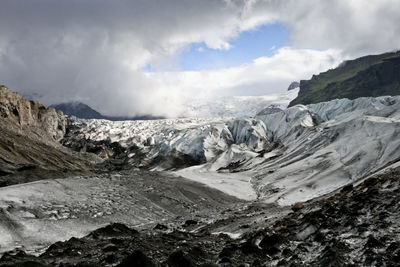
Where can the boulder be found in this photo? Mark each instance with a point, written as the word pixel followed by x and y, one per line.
pixel 297 206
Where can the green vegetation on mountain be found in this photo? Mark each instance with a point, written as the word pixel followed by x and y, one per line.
pixel 368 76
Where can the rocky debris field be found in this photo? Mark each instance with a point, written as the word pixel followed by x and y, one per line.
pixel 35 215
pixel 356 226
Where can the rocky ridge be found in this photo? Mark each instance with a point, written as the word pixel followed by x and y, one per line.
pixel 369 76
pixel 31 116
pixel 30 146
pixel 293 86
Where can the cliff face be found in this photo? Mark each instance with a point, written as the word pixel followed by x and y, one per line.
pixel 370 76
pixel 29 147
pixel 31 115
pixel 293 86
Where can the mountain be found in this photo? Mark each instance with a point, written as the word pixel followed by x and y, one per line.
pixel 293 85
pixel 79 110
pixel 83 111
pixel 29 143
pixel 369 76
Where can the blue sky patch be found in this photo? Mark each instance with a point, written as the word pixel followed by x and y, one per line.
pixel 263 41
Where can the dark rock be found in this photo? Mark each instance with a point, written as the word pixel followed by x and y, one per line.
pixel 160 227
pixel 293 86
pixel 270 110
pixel 179 259
pixel 372 242
pixel 113 230
pixel 110 248
pixel 225 260
pixel 190 222
pixel 270 241
pixel 249 247
pixel 244 226
pixel 227 252
pixel 347 188
pixel 137 259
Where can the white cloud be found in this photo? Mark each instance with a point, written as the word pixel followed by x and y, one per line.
pixel 94 50
pixel 357 27
pixel 263 76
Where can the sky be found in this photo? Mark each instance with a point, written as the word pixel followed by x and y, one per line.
pixel 136 57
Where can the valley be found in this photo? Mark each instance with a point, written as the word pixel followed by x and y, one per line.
pixel 309 185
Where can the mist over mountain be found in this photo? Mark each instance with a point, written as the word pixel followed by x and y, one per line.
pixel 293 86
pixel 83 111
pixel 79 110
pixel 235 107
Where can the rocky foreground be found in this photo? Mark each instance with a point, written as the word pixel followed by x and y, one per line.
pixel 356 226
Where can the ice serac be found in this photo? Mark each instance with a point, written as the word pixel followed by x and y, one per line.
pixel 328 145
pixel 287 156
pixel 271 110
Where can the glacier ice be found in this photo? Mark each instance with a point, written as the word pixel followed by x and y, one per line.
pixel 291 155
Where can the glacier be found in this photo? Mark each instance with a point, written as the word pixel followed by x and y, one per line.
pixel 296 154
pixel 235 106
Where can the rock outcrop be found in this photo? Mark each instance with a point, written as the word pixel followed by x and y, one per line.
pixel 369 76
pixel 293 86
pixel 29 144
pixel 31 115
pixel 270 110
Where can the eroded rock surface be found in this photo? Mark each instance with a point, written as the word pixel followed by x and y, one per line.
pixel 29 146
pixel 31 115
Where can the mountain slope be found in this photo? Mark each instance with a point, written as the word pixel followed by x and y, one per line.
pixel 29 140
pixel 79 110
pixel 369 76
pixel 83 111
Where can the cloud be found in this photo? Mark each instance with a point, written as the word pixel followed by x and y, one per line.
pixel 94 51
pixel 356 27
pixel 265 75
